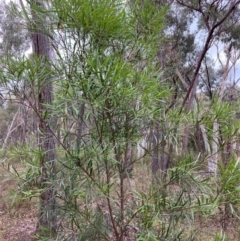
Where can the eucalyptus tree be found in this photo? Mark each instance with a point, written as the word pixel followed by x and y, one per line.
pixel 214 19
pixel 42 52
pixel 186 64
pixel 175 53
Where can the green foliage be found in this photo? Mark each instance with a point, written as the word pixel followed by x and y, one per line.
pixel 228 183
pixel 221 237
pixel 30 172
pixel 108 87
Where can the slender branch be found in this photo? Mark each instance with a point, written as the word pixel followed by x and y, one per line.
pixel 205 49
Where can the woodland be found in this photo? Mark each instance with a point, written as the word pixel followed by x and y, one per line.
pixel 119 120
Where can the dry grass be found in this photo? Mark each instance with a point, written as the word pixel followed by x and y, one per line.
pixel 17 217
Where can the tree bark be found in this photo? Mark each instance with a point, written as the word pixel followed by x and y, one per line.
pixel 213 162
pixel 155 159
pixel 189 108
pixel 164 157
pixel 42 50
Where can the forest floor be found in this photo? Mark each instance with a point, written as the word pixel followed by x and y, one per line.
pixel 18 218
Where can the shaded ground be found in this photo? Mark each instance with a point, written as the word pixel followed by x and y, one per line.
pixel 17 218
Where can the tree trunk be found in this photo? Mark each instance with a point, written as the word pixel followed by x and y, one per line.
pixel 213 162
pixel 156 130
pixel 128 165
pixel 164 157
pixel 42 50
pixel 189 108
pixel 80 127
pixel 155 159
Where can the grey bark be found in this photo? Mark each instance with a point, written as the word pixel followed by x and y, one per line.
pixel 155 159
pixel 42 50
pixel 159 162
pixel 189 108
pixel 213 162
pixel 164 157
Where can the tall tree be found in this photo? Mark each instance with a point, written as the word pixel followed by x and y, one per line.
pixel 42 51
pixel 175 50
pixel 212 15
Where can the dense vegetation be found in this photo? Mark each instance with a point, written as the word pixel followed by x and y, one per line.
pixel 121 117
